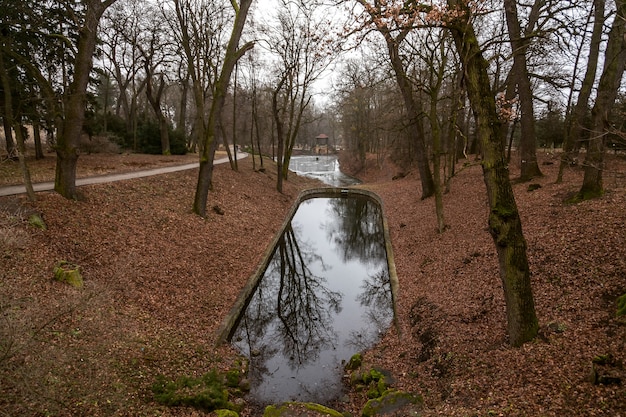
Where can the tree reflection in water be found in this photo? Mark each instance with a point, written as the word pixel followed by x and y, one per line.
pixel 324 296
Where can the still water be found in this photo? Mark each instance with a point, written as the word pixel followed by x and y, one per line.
pixel 324 296
pixel 322 167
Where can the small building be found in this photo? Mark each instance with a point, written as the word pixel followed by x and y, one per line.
pixel 321 144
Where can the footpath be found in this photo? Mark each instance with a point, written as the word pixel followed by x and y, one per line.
pixel 48 186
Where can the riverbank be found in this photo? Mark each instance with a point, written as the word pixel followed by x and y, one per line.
pixel 159 281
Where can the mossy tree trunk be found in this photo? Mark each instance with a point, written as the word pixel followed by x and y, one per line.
pixel 504 221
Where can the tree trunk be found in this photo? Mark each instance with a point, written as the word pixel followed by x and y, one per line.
pixel 528 146
pixel 8 134
pixel 436 132
pixel 295 121
pixel 164 130
pixel 435 129
pixel 37 138
pixel 234 163
pixel 154 98
pixel 233 54
pixel 574 128
pixel 182 114
pixel 614 63
pixel 504 221
pixel 8 115
pixel 426 177
pixel 279 134
pixel 76 99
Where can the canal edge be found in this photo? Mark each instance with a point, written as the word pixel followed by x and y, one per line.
pixel 225 330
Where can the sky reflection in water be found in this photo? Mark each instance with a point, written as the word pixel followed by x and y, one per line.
pixel 324 296
pixel 322 167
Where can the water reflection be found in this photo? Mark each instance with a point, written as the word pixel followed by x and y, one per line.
pixel 324 296
pixel 322 167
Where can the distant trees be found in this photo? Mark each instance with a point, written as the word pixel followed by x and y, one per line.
pixel 232 55
pixel 370 116
pixel 519 76
pixel 395 28
pixel 607 91
pixel 574 132
pixel 54 44
pixel 301 48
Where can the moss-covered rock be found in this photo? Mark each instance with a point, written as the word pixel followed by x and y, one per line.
pixel 209 392
pixel 226 413
pixel 355 362
pixel 374 381
pixel 37 221
pixel 393 401
pixel 69 273
pixel 290 409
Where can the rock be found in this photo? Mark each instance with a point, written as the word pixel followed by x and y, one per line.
pixel 68 273
pixel 393 402
pixel 244 384
pixel 295 409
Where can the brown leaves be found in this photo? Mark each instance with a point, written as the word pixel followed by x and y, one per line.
pixel 159 281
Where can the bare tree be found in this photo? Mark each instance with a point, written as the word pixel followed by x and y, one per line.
pixel 504 221
pixel 121 34
pixel 392 24
pixel 575 119
pixel 433 52
pixel 521 78
pixel 302 49
pixel 156 54
pixel 608 86
pixel 213 129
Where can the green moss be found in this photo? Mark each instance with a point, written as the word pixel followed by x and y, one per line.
pixel 37 221
pixel 583 195
pixel 355 362
pixel 373 381
pixel 208 392
pixel 391 401
pixel 286 410
pixel 232 378
pixel 503 212
pixel 226 413
pixel 69 273
pixel 621 305
pixel 606 359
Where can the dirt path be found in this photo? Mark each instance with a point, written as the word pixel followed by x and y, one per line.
pixel 101 179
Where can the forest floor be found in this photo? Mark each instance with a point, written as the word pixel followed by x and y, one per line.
pixel 159 282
